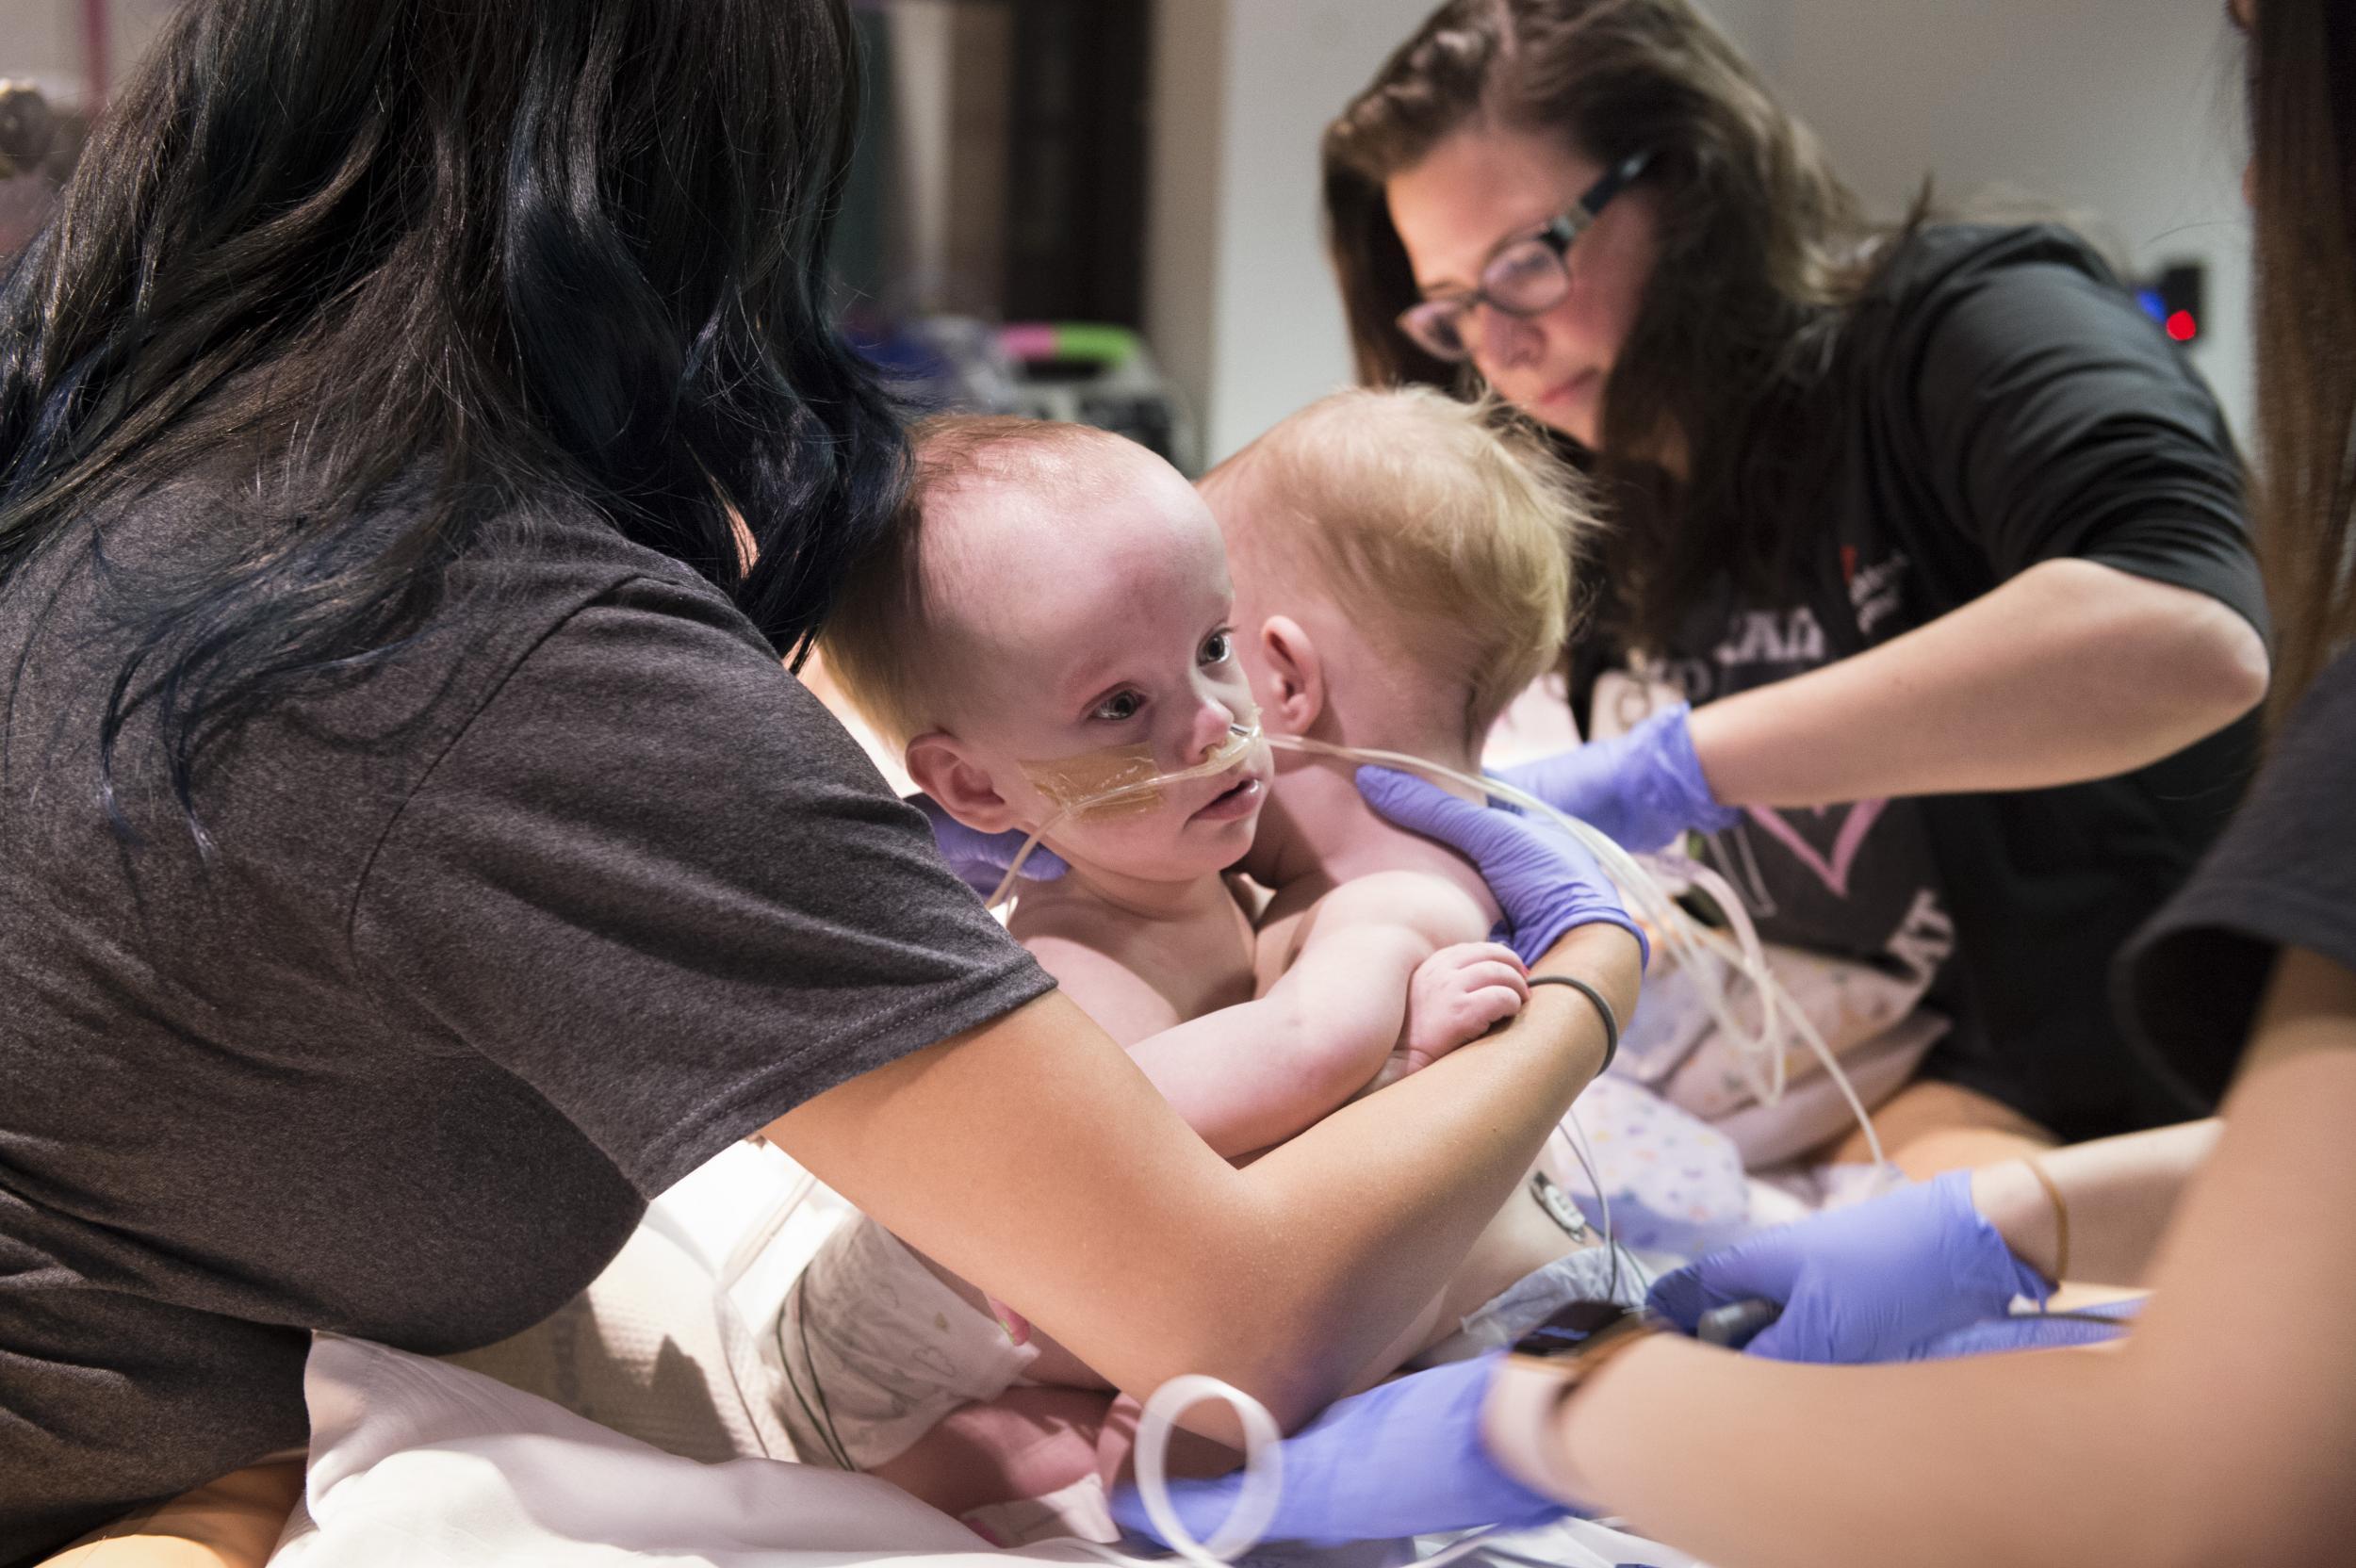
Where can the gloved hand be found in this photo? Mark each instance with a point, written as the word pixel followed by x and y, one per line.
pixel 1401 1460
pixel 980 859
pixel 1643 787
pixel 1547 882
pixel 1877 1282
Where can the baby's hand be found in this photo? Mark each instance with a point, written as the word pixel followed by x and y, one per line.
pixel 1456 996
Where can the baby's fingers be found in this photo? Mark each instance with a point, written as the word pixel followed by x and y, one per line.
pixel 1486 974
pixel 1491 1006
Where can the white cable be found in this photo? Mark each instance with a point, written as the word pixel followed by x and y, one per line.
pixel 1700 950
pixel 1674 930
pixel 1254 1507
pixel 1759 1051
pixel 1263 1470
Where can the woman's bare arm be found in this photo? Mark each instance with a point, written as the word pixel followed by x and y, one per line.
pixel 2072 670
pixel 2223 1430
pixel 1033 1158
pixel 2121 1194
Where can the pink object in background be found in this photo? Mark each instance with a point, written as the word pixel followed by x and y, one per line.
pixel 97 33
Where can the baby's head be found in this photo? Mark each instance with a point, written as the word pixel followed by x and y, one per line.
pixel 1404 566
pixel 1050 617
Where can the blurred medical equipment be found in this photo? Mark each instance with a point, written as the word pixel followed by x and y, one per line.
pixel 1078 372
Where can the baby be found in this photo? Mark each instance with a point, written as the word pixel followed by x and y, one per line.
pixel 1403 571
pixel 1051 620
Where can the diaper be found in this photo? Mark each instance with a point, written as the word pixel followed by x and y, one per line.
pixel 1581 1276
pixel 876 1349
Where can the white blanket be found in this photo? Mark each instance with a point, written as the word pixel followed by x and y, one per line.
pixel 418 1463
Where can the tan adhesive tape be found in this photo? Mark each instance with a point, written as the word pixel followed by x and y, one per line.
pixel 1121 781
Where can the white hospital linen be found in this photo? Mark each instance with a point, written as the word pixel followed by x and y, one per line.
pixel 417 1463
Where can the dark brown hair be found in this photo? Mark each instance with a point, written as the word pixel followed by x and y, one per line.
pixel 2302 120
pixel 1761 248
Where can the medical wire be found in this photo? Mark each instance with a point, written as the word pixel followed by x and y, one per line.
pixel 1697 948
pixel 1254 1507
pixel 1675 929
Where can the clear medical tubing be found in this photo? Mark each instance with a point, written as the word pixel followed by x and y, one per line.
pixel 1708 957
pixel 1698 949
pixel 1242 739
pixel 1254 1507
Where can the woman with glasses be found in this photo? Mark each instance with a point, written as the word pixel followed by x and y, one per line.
pixel 2224 1427
pixel 1932 526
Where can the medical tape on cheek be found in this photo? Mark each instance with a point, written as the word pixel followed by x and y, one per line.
pixel 1121 781
pixel 1118 781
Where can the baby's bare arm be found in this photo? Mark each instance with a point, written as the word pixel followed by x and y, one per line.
pixel 1249 1076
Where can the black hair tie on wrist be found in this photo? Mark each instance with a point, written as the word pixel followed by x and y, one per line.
pixel 1603 1009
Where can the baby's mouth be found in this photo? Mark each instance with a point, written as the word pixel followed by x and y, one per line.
pixel 1236 799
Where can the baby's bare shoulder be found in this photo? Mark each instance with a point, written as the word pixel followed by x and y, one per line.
pixel 1430 904
pixel 1136 977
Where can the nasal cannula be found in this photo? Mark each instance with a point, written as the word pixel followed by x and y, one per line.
pixel 1122 783
pixel 1705 954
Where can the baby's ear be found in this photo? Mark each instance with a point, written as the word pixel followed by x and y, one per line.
pixel 1295 676
pixel 944 770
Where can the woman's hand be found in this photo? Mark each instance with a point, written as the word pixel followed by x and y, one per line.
pixel 1406 1458
pixel 1546 883
pixel 1642 789
pixel 980 859
pixel 1877 1282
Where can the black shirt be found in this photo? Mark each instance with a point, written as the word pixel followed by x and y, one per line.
pixel 493 946
pixel 2002 401
pixel 2284 875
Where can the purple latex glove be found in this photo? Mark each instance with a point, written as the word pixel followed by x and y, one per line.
pixel 1403 1459
pixel 1643 787
pixel 980 859
pixel 1546 881
pixel 2096 1325
pixel 1877 1282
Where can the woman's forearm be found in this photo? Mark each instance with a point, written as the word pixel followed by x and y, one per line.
pixel 2118 1194
pixel 2218 1432
pixel 2069 672
pixel 2023 1460
pixel 1033 1158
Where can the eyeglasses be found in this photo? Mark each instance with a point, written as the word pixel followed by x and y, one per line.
pixel 1523 277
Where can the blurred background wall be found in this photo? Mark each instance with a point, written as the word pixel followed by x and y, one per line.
pixel 1151 164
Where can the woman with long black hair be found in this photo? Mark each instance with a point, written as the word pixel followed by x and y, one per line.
pixel 421 436
pixel 1932 528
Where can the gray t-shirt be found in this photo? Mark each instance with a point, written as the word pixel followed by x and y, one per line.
pixel 2284 875
pixel 490 947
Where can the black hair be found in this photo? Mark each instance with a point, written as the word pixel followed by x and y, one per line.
pixel 464 257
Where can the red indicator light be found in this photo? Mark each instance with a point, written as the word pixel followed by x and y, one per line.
pixel 2181 327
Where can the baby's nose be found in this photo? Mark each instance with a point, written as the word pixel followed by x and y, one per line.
pixel 1213 722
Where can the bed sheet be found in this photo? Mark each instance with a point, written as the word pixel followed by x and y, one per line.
pixel 419 1463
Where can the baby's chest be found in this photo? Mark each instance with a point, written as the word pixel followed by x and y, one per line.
pixel 1199 969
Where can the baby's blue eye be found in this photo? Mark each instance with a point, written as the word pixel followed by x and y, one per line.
pixel 1120 706
pixel 1219 648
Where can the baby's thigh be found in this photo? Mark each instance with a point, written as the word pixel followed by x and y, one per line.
pixel 1026 1442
